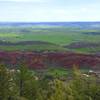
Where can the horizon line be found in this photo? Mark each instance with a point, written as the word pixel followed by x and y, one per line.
pixel 43 21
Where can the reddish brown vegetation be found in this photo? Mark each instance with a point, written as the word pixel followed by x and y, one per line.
pixel 43 60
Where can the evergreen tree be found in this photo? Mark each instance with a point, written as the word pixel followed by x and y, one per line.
pixel 26 82
pixel 57 90
pixel 4 82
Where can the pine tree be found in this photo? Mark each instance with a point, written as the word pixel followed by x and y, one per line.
pixel 4 82
pixel 57 90
pixel 26 82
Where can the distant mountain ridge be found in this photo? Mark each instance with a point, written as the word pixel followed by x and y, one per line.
pixel 87 25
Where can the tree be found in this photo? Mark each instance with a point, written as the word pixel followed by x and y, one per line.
pixel 82 87
pixel 26 82
pixel 57 90
pixel 4 82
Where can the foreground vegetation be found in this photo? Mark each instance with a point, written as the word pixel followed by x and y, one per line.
pixel 23 84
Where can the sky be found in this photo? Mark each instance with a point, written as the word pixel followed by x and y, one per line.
pixel 49 10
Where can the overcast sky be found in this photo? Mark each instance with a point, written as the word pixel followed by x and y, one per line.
pixel 49 10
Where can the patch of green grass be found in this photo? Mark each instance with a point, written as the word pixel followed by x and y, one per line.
pixel 7 35
pixel 58 72
pixel 33 48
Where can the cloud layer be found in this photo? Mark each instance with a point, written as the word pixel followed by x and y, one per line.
pixel 49 10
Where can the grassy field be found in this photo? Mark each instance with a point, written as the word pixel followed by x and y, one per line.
pixel 60 36
pixel 57 72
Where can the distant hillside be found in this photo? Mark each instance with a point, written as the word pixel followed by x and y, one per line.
pixel 83 45
pixel 50 60
pixel 26 43
pixel 30 46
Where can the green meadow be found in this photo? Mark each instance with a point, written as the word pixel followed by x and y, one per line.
pixel 60 37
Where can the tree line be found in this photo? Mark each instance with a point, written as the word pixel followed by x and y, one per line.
pixel 21 84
